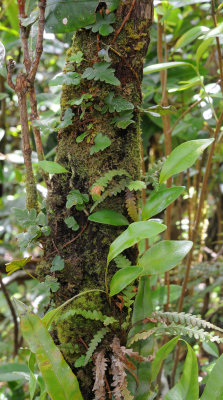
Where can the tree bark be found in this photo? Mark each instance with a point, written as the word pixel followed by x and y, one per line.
pixel 85 256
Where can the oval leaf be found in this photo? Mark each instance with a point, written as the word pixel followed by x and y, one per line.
pixel 52 167
pixel 132 235
pixel 187 388
pixel 162 66
pixel 183 157
pixel 61 383
pixel 214 386
pixel 123 278
pixel 158 201
pixel 164 255
pixel 109 217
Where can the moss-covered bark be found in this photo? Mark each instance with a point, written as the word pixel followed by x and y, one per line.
pixel 85 258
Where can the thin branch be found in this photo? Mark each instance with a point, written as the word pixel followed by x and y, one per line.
pixel 125 20
pixel 14 316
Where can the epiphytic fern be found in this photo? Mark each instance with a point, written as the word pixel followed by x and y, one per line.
pixel 122 261
pixel 130 202
pixel 94 344
pixel 184 319
pixel 88 314
pixel 152 176
pixel 99 375
pixel 112 191
pixel 104 180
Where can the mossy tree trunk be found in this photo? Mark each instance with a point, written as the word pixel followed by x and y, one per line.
pixel 85 257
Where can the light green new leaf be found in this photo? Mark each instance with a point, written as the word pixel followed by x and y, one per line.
pixel 214 385
pixel 158 201
pixel 161 355
pixel 101 142
pixel 133 234
pixel 17 264
pixel 162 66
pixel 183 157
pixel 202 48
pixel 190 36
pixel 109 217
pixel 164 255
pixel 123 278
pixel 187 388
pixel 61 383
pixel 52 167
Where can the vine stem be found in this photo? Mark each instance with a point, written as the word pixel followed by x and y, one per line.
pixel 195 231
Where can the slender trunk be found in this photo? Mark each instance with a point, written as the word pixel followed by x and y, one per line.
pixel 85 251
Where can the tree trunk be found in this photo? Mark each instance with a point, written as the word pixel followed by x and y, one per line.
pixel 85 256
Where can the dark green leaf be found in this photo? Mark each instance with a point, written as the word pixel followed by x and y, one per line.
pixel 52 167
pixel 101 142
pixel 71 223
pixel 117 104
pixel 161 355
pixel 214 386
pixel 123 278
pixel 101 72
pixel 109 217
pixel 158 201
pixel 123 120
pixel 57 264
pixel 164 255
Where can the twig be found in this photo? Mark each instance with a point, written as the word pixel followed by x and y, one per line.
pixel 123 22
pixel 14 317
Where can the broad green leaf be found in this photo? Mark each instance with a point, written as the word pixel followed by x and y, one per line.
pixel 183 157
pixel 164 255
pixel 211 348
pixel 109 217
pixel 162 66
pixel 161 355
pixel 190 36
pixel 61 383
pixel 17 264
pixel 123 278
pixel 51 283
pixel 101 72
pixel 214 385
pixel 159 110
pixel 12 371
pixel 116 104
pixel 202 48
pixel 158 201
pixel 101 142
pixel 57 264
pixel 133 234
pixel 52 167
pixel 187 388
pixel 72 223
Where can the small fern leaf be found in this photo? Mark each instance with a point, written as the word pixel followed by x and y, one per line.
pixel 113 191
pixel 122 261
pixel 126 394
pixel 94 344
pixel 104 180
pixel 88 314
pixel 130 202
pixel 184 319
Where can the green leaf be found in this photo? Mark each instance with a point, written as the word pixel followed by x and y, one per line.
pixel 70 78
pixel 101 142
pixel 161 355
pixel 32 379
pixel 52 167
pixel 187 388
pixel 190 36
pixel 158 201
pixel 109 217
pixel 72 223
pixel 17 264
pixel 51 283
pixel 75 197
pixel 102 24
pixel 158 111
pixel 60 381
pixel 164 255
pixel 101 72
pixel 123 278
pixel 136 185
pixel 214 385
pixel 162 66
pixel 10 372
pixel 159 295
pixel 183 157
pixel 133 234
pixel 123 120
pixel 211 348
pixel 77 57
pixel 217 31
pixel 202 48
pixel 117 104
pixel 77 102
pixel 57 264
pixel 66 120
pixel 24 217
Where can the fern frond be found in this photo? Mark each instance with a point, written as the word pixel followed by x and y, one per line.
pixel 88 314
pixel 126 394
pixel 184 319
pixel 152 177
pixel 99 374
pixel 112 191
pixel 130 202
pixel 175 330
pixel 104 180
pixel 122 261
pixel 94 344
